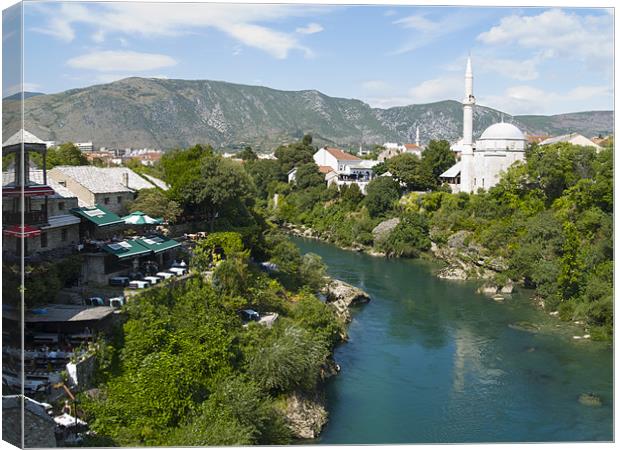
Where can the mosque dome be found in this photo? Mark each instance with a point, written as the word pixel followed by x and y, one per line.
pixel 502 131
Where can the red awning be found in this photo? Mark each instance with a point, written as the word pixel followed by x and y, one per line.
pixel 18 231
pixel 29 191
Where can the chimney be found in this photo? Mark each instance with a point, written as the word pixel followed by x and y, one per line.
pixel 125 179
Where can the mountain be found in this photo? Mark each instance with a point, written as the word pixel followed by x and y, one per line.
pixel 17 95
pixel 161 113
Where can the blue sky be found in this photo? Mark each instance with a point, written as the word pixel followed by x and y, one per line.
pixel 526 60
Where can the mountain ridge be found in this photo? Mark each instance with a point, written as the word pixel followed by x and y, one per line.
pixel 164 113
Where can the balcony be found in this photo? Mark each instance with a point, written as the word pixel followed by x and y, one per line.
pixel 30 218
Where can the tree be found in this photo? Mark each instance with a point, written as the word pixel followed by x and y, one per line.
pixel 409 238
pixel 66 154
pixel 155 203
pixel 308 176
pixel 409 169
pixel 266 174
pixel 381 194
pixel 294 155
pixel 437 157
pixel 247 154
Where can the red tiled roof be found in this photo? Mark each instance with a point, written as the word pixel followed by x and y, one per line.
pixel 325 169
pixel 341 155
pixel 411 146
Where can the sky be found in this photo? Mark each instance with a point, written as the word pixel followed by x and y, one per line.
pixel 525 60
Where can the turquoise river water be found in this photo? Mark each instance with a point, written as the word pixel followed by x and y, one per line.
pixel 432 361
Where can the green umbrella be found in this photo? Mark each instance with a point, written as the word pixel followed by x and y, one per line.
pixel 140 218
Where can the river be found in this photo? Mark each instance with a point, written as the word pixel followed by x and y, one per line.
pixel 432 361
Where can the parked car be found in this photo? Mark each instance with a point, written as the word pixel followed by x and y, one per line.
pixel 94 301
pixel 152 280
pixel 250 314
pixel 178 270
pixel 117 302
pixel 138 284
pixel 165 275
pixel 119 281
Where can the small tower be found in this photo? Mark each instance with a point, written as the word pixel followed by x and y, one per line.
pixel 467 155
pixel 417 136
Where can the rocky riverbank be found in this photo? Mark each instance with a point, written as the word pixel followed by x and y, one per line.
pixel 305 413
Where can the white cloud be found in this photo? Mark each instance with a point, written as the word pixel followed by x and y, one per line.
pixel 436 89
pixel 113 61
pixel 524 99
pixel 240 21
pixel 98 36
pixel 426 31
pixel 311 28
pixel 587 38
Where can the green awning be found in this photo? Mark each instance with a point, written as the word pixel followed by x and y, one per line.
pixel 158 243
pixel 127 249
pixel 98 215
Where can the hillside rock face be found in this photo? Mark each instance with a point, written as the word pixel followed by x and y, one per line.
pixel 160 113
pixel 305 415
pixel 382 230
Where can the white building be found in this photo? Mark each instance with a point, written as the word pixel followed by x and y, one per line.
pixel 572 138
pixel 482 162
pixel 343 168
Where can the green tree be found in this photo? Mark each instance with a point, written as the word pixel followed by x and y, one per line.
pixel 156 203
pixel 408 168
pixel 308 176
pixel 66 154
pixel 381 195
pixel 247 154
pixel 437 158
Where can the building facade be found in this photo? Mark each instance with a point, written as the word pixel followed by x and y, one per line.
pixel 481 163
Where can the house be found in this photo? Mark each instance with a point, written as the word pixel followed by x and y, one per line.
pixel 111 187
pixel 38 426
pixel 572 138
pixel 413 149
pixel 342 168
pixel 292 175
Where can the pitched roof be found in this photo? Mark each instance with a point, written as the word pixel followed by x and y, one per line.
pixel 412 147
pixel 341 155
pixel 60 190
pixel 325 169
pixel 452 171
pixel 23 137
pixel 157 182
pixel 101 180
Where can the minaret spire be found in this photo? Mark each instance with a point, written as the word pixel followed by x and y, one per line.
pixel 417 136
pixel 467 154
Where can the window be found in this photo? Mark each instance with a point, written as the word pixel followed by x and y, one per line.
pixel 63 183
pixel 106 200
pixel 63 235
pixel 119 199
pixel 61 206
pixel 43 240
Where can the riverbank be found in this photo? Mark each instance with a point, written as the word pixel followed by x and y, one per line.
pixel 307 414
pixel 463 260
pixel 432 361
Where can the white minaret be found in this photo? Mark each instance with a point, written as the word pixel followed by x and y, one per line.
pixel 417 136
pixel 467 155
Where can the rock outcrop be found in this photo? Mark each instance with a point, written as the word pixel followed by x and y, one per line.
pixel 590 399
pixel 467 260
pixel 341 296
pixel 382 230
pixel 305 416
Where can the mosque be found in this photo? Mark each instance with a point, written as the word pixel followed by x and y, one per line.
pixel 481 163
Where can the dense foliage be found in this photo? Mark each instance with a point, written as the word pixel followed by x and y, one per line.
pixel 188 373
pixel 550 220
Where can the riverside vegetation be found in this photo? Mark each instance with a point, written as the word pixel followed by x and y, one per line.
pixel 183 370
pixel 548 224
